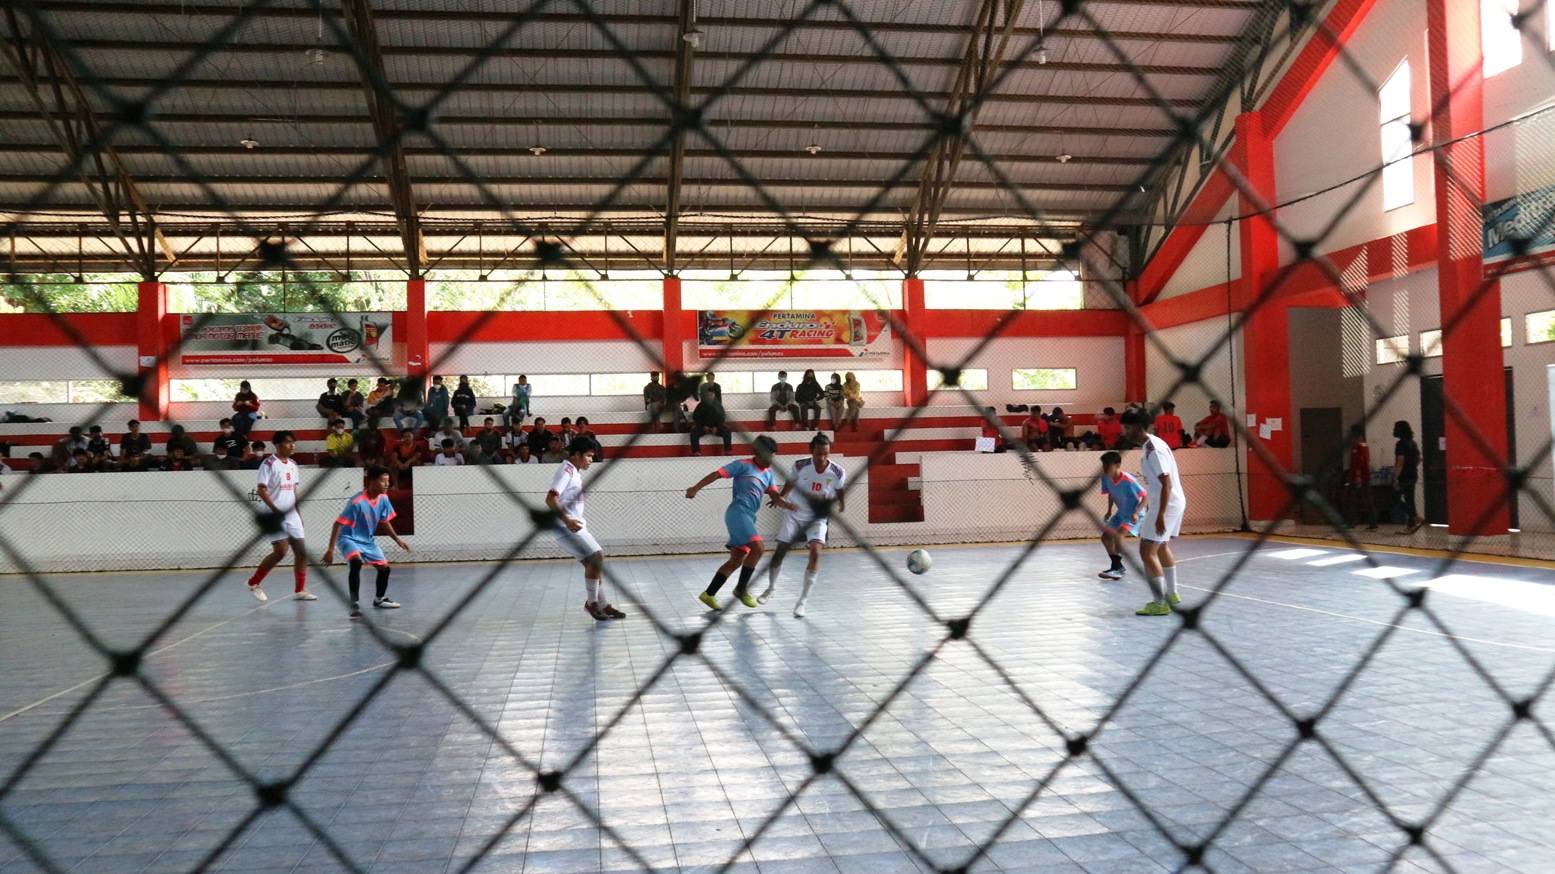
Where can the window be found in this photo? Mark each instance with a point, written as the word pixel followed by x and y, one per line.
pixel 62 391
pixel 522 290
pixel 1540 327
pixel 1398 176
pixel 1045 379
pixel 1002 290
pixel 1431 341
pixel 1498 36
pixel 971 380
pixel 607 384
pixel 1391 350
pixel 878 380
pixel 776 290
pixel 1506 333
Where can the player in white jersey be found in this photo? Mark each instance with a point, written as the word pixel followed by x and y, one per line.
pixel 566 500
pixel 818 481
pixel 1163 515
pixel 278 481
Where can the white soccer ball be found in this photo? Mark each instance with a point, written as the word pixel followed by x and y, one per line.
pixel 919 561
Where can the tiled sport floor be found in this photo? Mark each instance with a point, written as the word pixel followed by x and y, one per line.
pixel 709 766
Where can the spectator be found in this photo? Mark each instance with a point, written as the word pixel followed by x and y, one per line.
pixel 990 429
pixel 1213 430
pixel 339 445
pixel 853 396
pixel 370 444
pixel 331 404
pixel 176 438
pixel 355 405
pixel 403 459
pixel 655 400
pixel 99 449
pixel 408 403
pixel 586 433
pixel 464 401
pixel 566 431
pixel 521 452
pixel 1034 431
pixel 448 432
pixel 554 453
pixel 253 455
pixel 809 395
pixel 245 411
pixel 1060 429
pixel 380 400
pixel 41 464
pixel 227 448
pixel 1357 479
pixel 63 453
pixel 782 398
pixel 478 454
pixel 539 437
pixel 518 409
pixel 488 438
pixel 450 456
pixel 710 389
pixel 135 440
pixel 1406 474
pixel 437 402
pixel 834 406
pixel 1108 429
pixel 80 462
pixel 177 459
pixel 1168 427
pixel 708 418
pixel 678 387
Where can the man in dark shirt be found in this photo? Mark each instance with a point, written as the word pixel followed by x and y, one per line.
pixel 489 438
pixel 331 405
pixel 353 404
pixel 227 449
pixel 655 400
pixel 708 418
pixel 1406 474
pixel 539 437
pixel 134 440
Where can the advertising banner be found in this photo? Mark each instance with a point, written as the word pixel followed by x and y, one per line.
pixel 793 334
pixel 1530 217
pixel 285 338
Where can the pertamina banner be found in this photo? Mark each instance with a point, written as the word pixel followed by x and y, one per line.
pixel 285 338
pixel 793 334
pixel 1528 218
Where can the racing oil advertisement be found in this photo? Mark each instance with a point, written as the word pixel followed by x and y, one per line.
pixel 793 334
pixel 286 338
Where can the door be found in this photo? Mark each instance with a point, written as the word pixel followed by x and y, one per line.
pixel 1322 453
pixel 1433 451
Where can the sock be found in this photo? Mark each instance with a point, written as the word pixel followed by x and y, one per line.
pixel 383 582
pixel 772 574
pixel 258 575
pixel 1157 592
pixel 301 575
pixel 809 580
pixel 588 591
pixel 718 583
pixel 354 579
pixel 597 591
pixel 1117 560
pixel 745 578
pixel 1171 579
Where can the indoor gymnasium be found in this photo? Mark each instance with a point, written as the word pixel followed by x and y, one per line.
pixel 1060 436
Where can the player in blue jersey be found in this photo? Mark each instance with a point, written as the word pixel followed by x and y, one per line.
pixel 354 531
pixel 752 479
pixel 1127 497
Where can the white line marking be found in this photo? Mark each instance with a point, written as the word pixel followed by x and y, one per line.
pixel 1293 554
pixel 1386 572
pixel 1338 559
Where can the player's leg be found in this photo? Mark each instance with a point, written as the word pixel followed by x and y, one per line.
pixel 277 552
pixel 1112 541
pixel 720 576
pixel 354 584
pixel 596 565
pixel 300 571
pixel 748 570
pixel 1169 573
pixel 774 567
pixel 1149 557
pixel 381 598
pixel 812 569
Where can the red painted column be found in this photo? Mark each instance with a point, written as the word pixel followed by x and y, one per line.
pixel 1135 387
pixel 1472 360
pixel 418 345
pixel 674 339
pixel 152 349
pixel 915 373
pixel 1266 333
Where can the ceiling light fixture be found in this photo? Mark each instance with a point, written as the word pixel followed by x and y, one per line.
pixel 694 37
pixel 248 142
pixel 537 150
pixel 317 57
pixel 813 149
pixel 1041 53
pixel 1063 158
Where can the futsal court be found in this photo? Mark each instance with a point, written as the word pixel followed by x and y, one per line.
pixel 941 751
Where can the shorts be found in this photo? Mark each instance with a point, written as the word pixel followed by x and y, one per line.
pixel 578 544
pixel 291 527
pixel 368 552
pixel 742 528
pixel 796 530
pixel 1122 524
pixel 1173 525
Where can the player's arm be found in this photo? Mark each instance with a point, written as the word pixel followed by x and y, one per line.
pixel 264 495
pixel 334 537
pixel 1166 501
pixel 779 501
pixel 393 535
pixel 704 482
pixel 552 500
pixel 1398 469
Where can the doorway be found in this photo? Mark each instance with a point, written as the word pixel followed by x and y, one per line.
pixel 1322 456
pixel 1433 449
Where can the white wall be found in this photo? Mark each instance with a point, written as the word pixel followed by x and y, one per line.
pixel 1206 261
pixel 1317 374
pixel 186 520
pixel 1191 343
pixel 1098 362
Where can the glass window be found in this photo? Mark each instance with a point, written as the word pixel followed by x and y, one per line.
pixel 612 384
pixel 733 381
pixel 1499 40
pixel 61 293
pixel 1002 290
pixel 971 380
pixel 1506 333
pixel 1045 379
pixel 776 290
pixel 878 380
pixel 35 392
pixel 530 291
pixel 1391 350
pixel 1398 178
pixel 1540 327
pixel 1431 344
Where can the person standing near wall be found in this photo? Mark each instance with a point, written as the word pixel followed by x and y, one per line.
pixel 1165 506
pixel 1406 474
pixel 1357 478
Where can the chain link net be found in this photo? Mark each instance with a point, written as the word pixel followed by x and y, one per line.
pixel 817 766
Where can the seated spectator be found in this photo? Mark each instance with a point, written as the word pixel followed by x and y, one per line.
pixel 488 438
pixel 586 433
pixel 539 437
pixel 1108 430
pixel 522 454
pixel 1060 429
pixel 331 404
pixel 63 453
pixel 991 429
pixel 99 449
pixel 41 464
pixel 679 392
pixel 403 459
pixel 1034 431
pixel 1168 427
pixel 80 462
pixel 450 456
pixel 179 439
pixel 853 396
pixel 708 418
pixel 245 411
pixel 380 401
pixel 133 439
pixel 227 446
pixel 339 446
pixel 1213 430
pixel 834 406
pixel 554 453
pixel 782 398
pixel 476 454
pixel 566 431
pixel 809 395
pixel 355 405
pixel 253 455
pixel 177 459
pixel 518 405
pixel 464 401
pixel 710 389
pixel 408 404
pixel 438 401
pixel 448 432
pixel 655 401
pixel 370 444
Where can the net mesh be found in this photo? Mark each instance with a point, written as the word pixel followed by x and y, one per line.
pixel 1191 364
